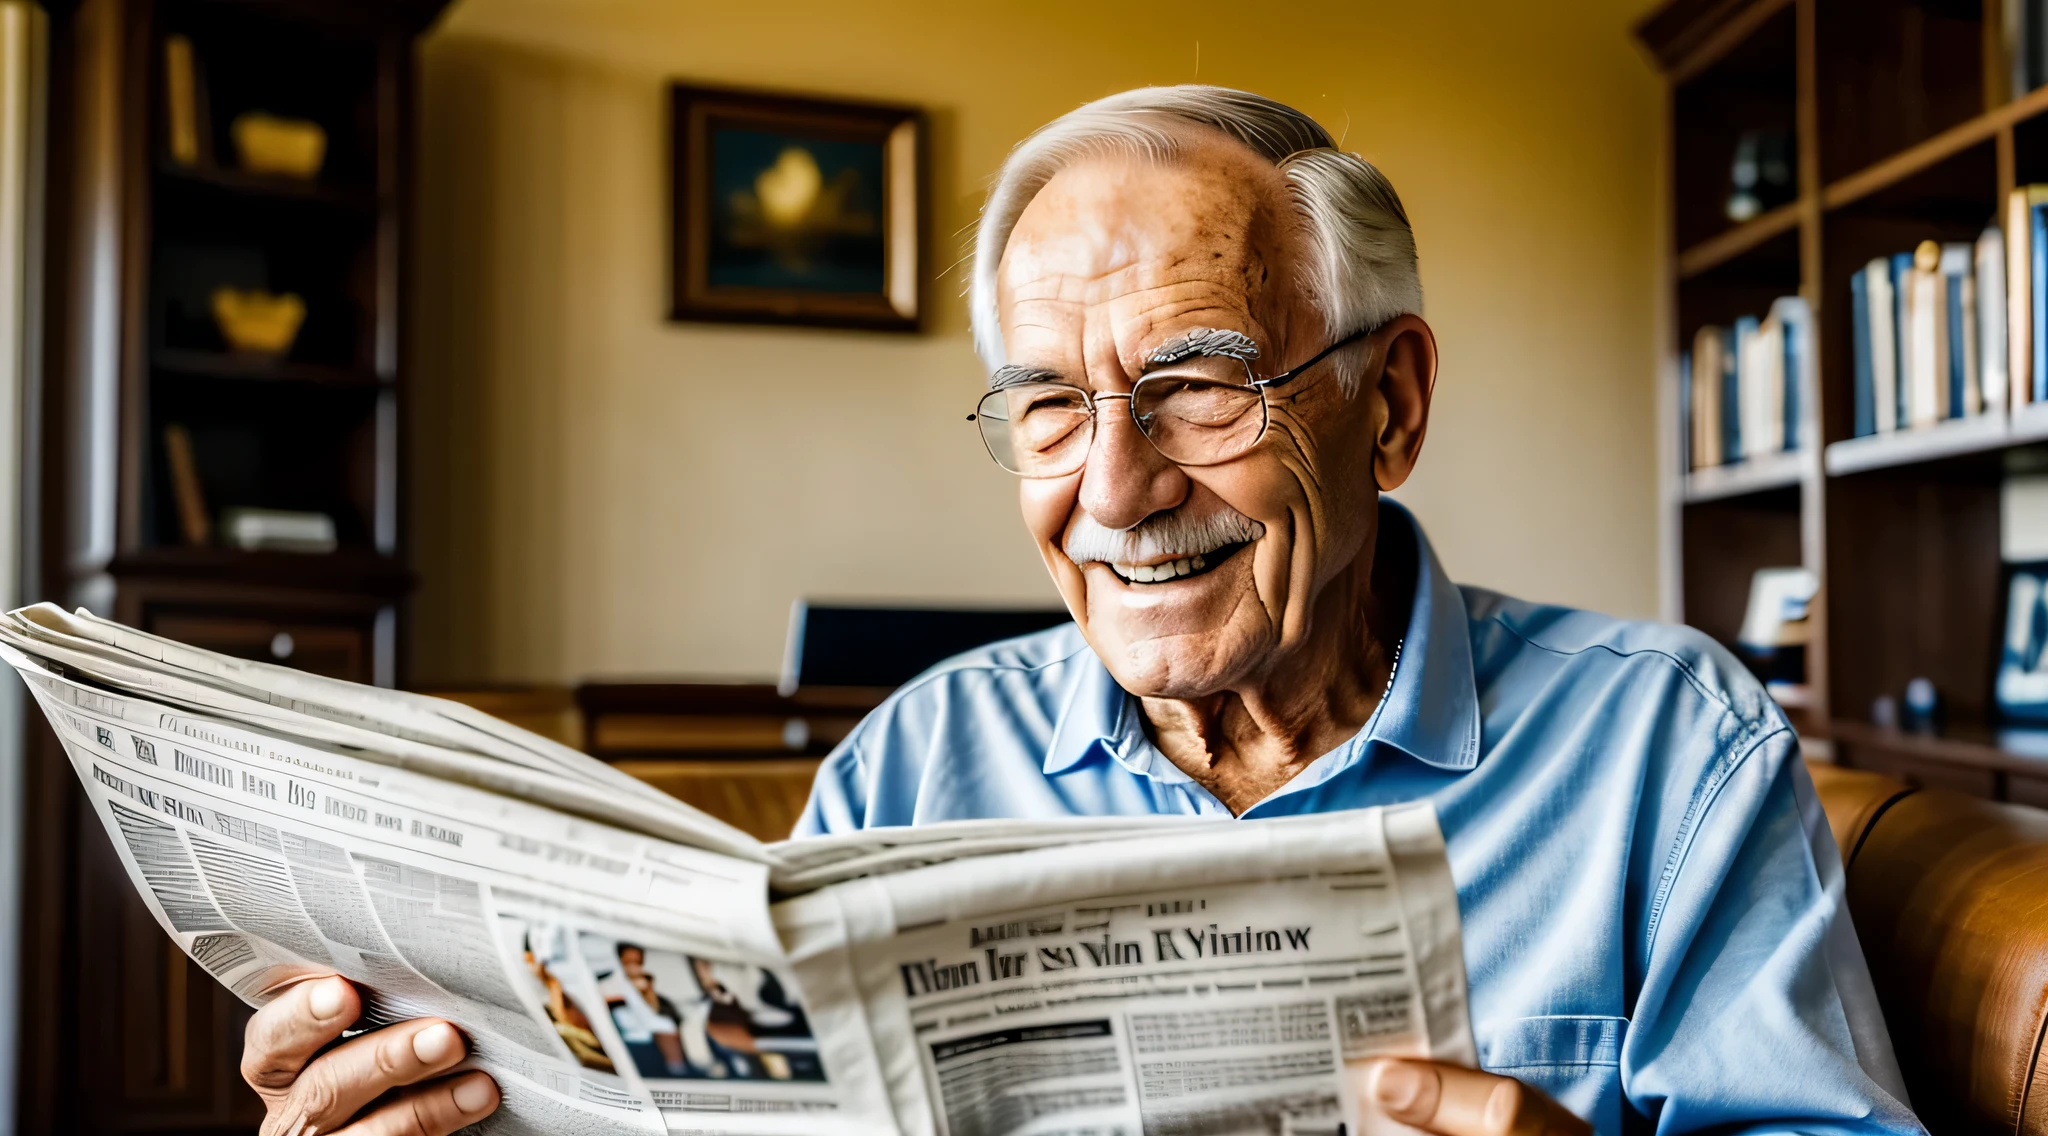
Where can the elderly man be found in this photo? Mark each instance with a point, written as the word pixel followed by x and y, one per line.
pixel 1207 359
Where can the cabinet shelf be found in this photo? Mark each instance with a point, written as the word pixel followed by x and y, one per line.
pixel 1754 475
pixel 1954 437
pixel 351 199
pixel 258 368
pixel 1718 250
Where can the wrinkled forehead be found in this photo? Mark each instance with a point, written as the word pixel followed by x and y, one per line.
pixel 1129 245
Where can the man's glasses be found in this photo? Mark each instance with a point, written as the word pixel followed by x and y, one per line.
pixel 1202 411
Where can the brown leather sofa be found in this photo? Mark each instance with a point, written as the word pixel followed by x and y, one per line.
pixel 1950 898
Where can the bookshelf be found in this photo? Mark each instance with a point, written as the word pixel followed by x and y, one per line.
pixel 151 211
pixel 1904 129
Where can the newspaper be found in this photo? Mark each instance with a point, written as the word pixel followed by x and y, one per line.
pixel 623 963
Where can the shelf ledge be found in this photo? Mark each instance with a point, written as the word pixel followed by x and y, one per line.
pixel 1718 250
pixel 1754 475
pixel 1946 439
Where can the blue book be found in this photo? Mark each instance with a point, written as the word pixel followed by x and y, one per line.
pixel 1793 330
pixel 1866 381
pixel 1685 412
pixel 1902 292
pixel 1958 360
pixel 1731 390
pixel 2037 238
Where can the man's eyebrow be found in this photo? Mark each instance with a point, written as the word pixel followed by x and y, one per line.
pixel 1204 341
pixel 1012 374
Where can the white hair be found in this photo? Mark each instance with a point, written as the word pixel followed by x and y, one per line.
pixel 1361 271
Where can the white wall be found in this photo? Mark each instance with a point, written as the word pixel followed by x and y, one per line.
pixel 600 492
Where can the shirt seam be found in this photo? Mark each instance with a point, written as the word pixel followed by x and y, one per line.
pixel 1703 802
pixel 1692 677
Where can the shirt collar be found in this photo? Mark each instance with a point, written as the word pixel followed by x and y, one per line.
pixel 1430 712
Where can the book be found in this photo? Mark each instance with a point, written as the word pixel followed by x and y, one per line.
pixel 1688 448
pixel 194 522
pixel 1745 410
pixel 1926 353
pixel 1991 346
pixel 2019 303
pixel 1763 388
pixel 278 530
pixel 1884 346
pixel 469 870
pixel 1801 377
pixel 181 101
pixel 1963 394
pixel 1902 327
pixel 2037 288
pixel 1712 364
pixel 1863 389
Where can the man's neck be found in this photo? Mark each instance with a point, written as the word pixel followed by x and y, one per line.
pixel 1245 743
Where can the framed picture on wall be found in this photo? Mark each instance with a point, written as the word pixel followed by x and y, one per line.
pixel 796 211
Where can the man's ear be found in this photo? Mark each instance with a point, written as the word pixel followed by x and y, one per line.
pixel 1406 381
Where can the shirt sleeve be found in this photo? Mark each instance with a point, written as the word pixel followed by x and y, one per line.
pixel 838 794
pixel 1757 1012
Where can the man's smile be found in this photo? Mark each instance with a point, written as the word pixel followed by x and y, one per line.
pixel 1180 568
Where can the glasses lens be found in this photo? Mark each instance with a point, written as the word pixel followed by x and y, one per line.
pixel 1036 429
pixel 1199 421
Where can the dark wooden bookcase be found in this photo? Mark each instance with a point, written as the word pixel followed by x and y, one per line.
pixel 1906 129
pixel 124 1033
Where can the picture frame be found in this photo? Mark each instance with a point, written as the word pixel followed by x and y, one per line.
pixel 796 211
pixel 2020 688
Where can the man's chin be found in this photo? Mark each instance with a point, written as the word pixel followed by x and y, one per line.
pixel 1179 640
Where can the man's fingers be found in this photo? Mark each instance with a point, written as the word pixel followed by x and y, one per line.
pixel 434 1109
pixel 358 1071
pixel 1454 1101
pixel 284 1035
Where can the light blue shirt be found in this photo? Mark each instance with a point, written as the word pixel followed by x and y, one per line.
pixel 1653 909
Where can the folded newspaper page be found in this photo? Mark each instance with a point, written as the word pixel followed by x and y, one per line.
pixel 623 963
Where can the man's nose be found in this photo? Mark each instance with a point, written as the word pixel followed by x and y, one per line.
pixel 1126 479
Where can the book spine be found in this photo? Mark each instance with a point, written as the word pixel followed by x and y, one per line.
pixel 1794 332
pixel 2037 242
pixel 1884 347
pixel 1903 329
pixel 1741 433
pixel 1960 331
pixel 2019 307
pixel 1991 362
pixel 1687 421
pixel 1865 389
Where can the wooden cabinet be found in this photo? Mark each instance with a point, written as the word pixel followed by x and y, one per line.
pixel 154 425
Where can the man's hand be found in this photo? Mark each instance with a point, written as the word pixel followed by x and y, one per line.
pixel 379 1084
pixel 1451 1100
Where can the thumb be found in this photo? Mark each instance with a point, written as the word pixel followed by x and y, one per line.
pixel 1453 1101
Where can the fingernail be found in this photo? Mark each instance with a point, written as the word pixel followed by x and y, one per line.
pixel 436 1045
pixel 1397 1086
pixel 326 997
pixel 475 1095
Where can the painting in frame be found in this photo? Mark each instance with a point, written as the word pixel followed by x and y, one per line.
pixel 794 210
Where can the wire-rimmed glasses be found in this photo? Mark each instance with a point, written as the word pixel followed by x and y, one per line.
pixel 1200 411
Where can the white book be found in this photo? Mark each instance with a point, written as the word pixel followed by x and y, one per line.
pixel 1992 375
pixel 1926 338
pixel 1763 389
pixel 1884 340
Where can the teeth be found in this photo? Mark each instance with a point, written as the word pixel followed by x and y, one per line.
pixel 1159 573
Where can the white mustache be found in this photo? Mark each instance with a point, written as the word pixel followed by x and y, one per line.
pixel 1174 534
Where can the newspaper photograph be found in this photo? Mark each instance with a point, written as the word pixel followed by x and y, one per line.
pixel 622 963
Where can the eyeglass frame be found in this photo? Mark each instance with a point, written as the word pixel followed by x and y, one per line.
pixel 1090 398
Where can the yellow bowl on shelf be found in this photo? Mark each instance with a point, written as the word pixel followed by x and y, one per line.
pixel 257 321
pixel 268 144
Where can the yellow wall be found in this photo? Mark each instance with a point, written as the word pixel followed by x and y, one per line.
pixel 598 491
